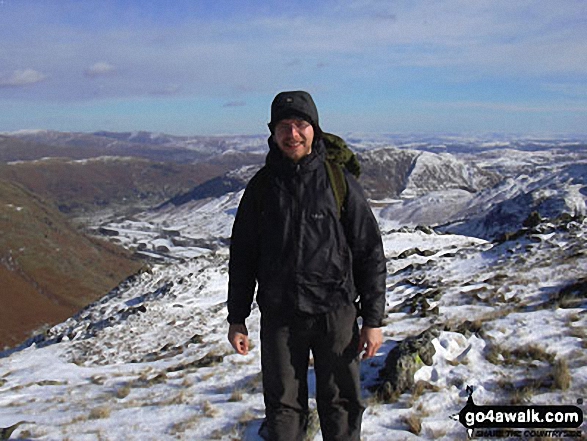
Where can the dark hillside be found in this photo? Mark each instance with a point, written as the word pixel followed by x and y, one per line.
pixel 155 147
pixel 84 174
pixel 15 149
pixel 48 269
pixel 90 185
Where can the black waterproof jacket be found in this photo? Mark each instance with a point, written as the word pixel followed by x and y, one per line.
pixel 289 238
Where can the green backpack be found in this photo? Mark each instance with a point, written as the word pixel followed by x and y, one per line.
pixel 338 155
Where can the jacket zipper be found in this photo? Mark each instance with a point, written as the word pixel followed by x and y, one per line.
pixel 297 225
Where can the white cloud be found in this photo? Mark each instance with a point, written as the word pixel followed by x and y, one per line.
pixel 372 44
pixel 496 36
pixel 100 69
pixel 20 78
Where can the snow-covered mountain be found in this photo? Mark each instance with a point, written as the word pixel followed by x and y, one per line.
pixel 512 186
pixel 524 201
pixel 388 173
pixel 150 361
pixel 406 173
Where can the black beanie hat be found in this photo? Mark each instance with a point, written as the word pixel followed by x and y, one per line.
pixel 295 104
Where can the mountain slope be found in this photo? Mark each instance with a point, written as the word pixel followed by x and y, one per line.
pixel 48 269
pixel 385 174
pixel 17 149
pixel 152 146
pixel 151 361
pixel 119 184
pixel 433 172
pixel 512 204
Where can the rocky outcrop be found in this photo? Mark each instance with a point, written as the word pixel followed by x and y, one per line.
pixel 402 362
pixel 573 295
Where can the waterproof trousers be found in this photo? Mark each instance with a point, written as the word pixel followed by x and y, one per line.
pixel 286 344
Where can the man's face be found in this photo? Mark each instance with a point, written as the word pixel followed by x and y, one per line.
pixel 294 138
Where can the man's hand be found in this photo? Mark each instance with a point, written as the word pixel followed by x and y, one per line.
pixel 370 341
pixel 238 338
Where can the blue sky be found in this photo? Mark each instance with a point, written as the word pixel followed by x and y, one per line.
pixel 213 67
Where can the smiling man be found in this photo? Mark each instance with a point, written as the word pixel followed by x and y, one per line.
pixel 317 266
pixel 294 138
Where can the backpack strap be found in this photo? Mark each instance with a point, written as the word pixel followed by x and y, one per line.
pixel 337 182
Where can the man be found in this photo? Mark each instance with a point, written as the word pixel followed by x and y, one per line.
pixel 314 264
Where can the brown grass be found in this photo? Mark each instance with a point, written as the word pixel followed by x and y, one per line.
pixel 209 410
pixel 414 423
pixel 561 374
pixel 48 269
pixel 235 396
pixel 99 413
pixel 123 392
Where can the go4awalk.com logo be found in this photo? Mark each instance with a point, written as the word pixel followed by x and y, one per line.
pixel 520 421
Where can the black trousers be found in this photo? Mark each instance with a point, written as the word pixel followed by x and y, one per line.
pixel 286 343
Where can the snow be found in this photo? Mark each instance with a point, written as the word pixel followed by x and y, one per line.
pixel 25 132
pixel 150 361
pixel 17 208
pixel 123 374
pixel 103 159
pixel 430 209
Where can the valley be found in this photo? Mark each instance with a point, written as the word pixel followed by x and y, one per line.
pixel 485 247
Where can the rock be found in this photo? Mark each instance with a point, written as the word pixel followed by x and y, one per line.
pixel 196 339
pixel 6 432
pixel 510 236
pixel 467 328
pixel 397 375
pixel 533 220
pixel 419 303
pixel 207 360
pixel 418 251
pixel 108 231
pixel 425 229
pixel 572 295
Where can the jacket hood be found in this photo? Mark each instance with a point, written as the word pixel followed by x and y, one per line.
pixel 294 104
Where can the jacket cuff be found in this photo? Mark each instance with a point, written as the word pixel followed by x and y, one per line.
pixel 370 323
pixel 231 319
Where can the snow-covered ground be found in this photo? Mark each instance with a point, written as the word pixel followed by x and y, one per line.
pixel 150 361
